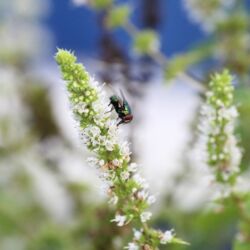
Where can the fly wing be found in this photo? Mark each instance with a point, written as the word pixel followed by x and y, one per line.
pixel 125 104
pixel 123 98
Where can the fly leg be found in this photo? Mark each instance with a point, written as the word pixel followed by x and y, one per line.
pixel 119 123
pixel 112 108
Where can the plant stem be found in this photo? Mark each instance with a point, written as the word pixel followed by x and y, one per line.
pixel 162 60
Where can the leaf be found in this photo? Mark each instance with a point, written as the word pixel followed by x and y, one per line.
pixel 181 62
pixel 180 241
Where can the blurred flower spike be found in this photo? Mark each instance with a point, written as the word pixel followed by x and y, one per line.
pixel 218 128
pixel 125 187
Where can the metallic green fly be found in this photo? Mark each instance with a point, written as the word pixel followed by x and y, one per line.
pixel 122 108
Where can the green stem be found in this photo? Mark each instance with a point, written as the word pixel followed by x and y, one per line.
pixel 162 60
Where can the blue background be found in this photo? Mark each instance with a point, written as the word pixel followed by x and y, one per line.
pixel 77 28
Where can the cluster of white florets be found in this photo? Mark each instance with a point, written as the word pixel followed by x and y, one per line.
pixel 126 189
pixel 30 34
pixel 14 115
pixel 209 13
pixel 218 127
pixel 164 238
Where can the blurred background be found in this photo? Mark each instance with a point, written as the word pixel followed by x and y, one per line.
pixel 50 198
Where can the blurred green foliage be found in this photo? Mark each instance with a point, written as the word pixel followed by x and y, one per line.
pixel 181 62
pixel 25 224
pixel 146 42
pixel 101 4
pixel 118 16
pixel 36 97
pixel 22 215
pixel 243 102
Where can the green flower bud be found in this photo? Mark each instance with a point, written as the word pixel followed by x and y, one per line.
pixel 146 42
pixel 118 16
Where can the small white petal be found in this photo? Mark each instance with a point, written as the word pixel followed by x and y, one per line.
pixel 116 162
pixel 151 199
pixel 167 237
pixel 113 200
pixel 120 220
pixel 132 246
pixel 132 167
pixel 145 216
pixel 125 175
pixel 137 234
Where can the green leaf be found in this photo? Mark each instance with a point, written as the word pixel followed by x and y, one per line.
pixel 236 23
pixel 182 62
pixel 180 241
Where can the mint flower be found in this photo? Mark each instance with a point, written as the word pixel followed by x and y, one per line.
pixel 217 127
pixel 167 237
pixel 145 216
pixel 132 246
pixel 222 153
pixel 126 189
pixel 120 220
